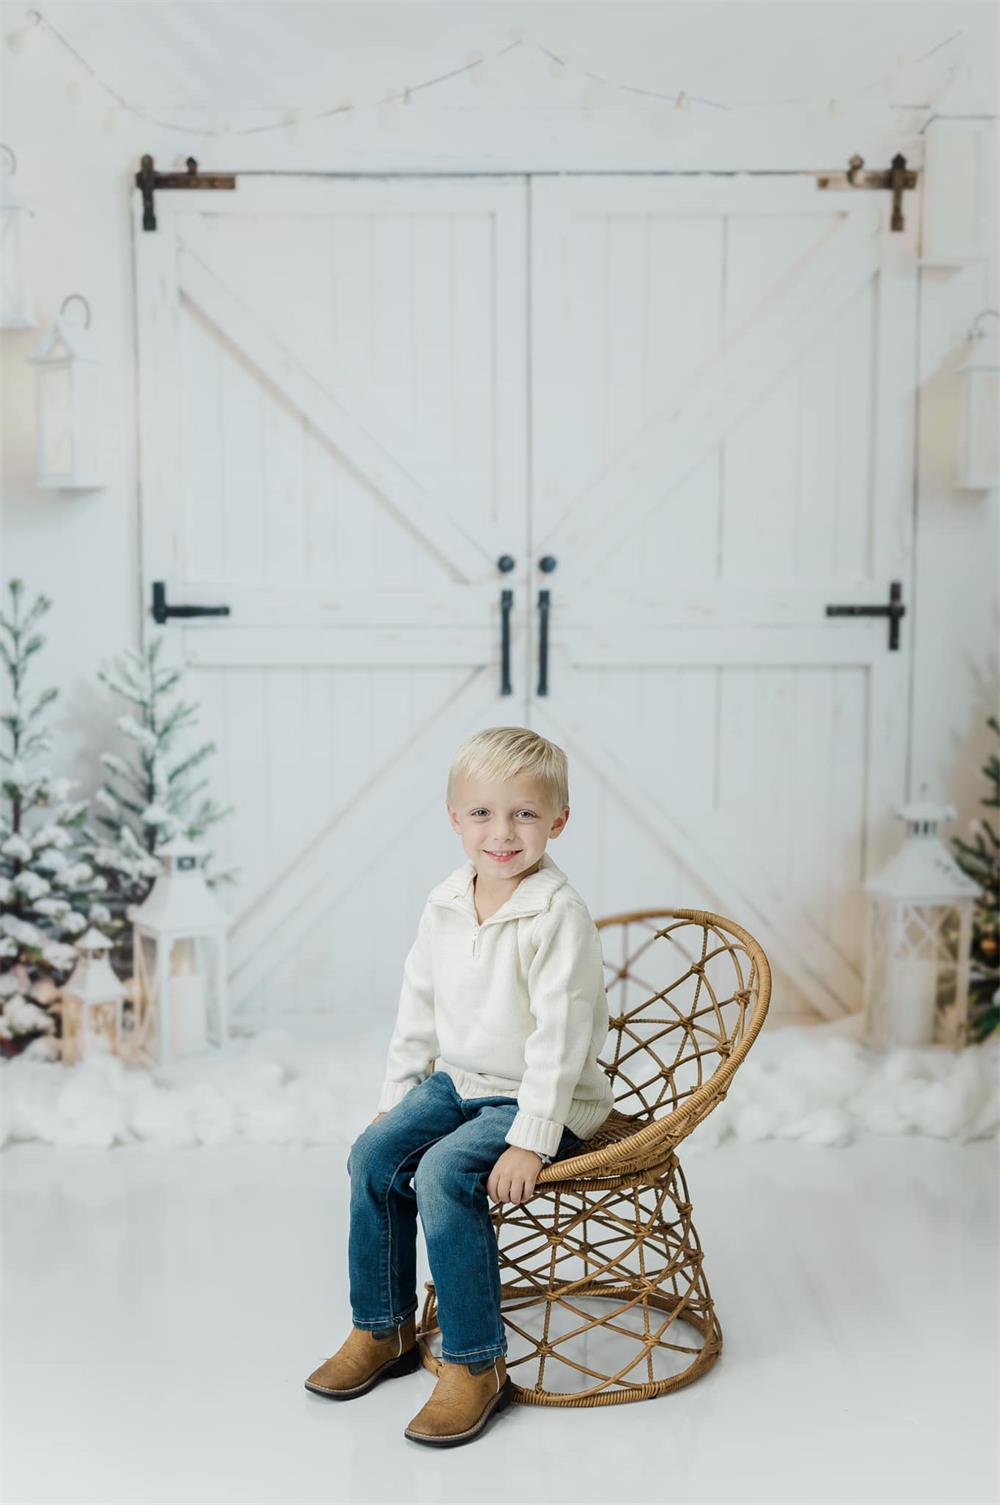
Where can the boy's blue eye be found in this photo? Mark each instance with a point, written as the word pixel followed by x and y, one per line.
pixel 520 812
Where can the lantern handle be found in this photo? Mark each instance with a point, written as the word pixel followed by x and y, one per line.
pixel 977 334
pixel 10 152
pixel 80 299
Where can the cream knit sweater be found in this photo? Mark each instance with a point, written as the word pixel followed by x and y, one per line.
pixel 515 1006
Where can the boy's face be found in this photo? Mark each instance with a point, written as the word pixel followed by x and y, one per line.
pixel 514 817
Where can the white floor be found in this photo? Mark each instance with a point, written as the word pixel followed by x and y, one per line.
pixel 162 1308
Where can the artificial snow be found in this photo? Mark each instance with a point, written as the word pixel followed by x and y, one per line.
pixel 818 1084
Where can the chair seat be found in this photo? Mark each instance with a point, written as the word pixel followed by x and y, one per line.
pixel 616 1126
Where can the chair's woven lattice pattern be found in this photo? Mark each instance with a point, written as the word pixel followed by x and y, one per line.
pixel 604 1294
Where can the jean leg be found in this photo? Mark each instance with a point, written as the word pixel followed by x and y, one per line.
pixel 450 1183
pixel 383 1228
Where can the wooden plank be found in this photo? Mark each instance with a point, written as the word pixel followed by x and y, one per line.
pixel 368 826
pixel 318 646
pixel 711 400
pixel 845 641
pixel 775 923
pixel 352 422
pixel 160 407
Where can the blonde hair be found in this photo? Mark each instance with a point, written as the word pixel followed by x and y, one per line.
pixel 502 752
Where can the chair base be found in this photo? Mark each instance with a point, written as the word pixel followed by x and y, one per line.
pixel 657 1275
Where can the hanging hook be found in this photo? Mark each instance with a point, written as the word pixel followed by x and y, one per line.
pixel 10 152
pixel 80 299
pixel 980 334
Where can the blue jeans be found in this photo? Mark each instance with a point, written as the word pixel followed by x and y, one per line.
pixel 432 1153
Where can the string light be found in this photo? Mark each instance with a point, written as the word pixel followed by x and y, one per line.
pixel 906 76
pixel 16 39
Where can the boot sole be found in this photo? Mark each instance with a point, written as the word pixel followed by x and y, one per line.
pixel 406 1363
pixel 500 1401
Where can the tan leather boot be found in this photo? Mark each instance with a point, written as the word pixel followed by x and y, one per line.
pixel 460 1404
pixel 362 1361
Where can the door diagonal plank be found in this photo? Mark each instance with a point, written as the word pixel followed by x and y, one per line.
pixel 698 416
pixel 272 927
pixel 807 970
pixel 366 436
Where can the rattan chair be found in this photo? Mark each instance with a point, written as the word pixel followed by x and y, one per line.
pixel 601 1269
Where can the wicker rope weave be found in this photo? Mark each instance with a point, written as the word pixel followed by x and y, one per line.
pixel 604 1297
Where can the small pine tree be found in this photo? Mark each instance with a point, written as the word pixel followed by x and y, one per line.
pixel 144 801
pixel 980 859
pixel 48 890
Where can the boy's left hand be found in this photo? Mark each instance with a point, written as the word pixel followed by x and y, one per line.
pixel 513 1177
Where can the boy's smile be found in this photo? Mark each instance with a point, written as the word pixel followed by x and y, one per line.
pixel 504 826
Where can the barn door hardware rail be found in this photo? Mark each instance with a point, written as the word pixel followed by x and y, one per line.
pixel 161 611
pixel 149 180
pixel 893 611
pixel 896 178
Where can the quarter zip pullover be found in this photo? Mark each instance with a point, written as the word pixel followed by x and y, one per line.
pixel 512 1006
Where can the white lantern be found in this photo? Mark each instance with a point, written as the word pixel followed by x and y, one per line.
pixel 979 440
pixel 919 936
pixel 180 961
pixel 67 405
pixel 16 301
pixel 91 1003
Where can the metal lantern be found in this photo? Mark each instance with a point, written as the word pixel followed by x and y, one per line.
pixel 67 405
pixel 91 1003
pixel 16 302
pixel 919 936
pixel 979 442
pixel 180 961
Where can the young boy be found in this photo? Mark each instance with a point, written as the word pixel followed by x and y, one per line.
pixel 503 992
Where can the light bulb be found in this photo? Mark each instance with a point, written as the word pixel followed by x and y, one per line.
pixel 592 94
pixel 388 113
pixel 17 38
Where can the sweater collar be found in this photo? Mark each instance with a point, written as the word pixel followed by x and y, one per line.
pixel 531 895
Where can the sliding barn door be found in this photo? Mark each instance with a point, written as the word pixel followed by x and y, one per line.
pixel 332 382
pixel 722 445
pixel 337 381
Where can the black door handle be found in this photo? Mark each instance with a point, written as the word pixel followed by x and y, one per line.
pixel 506 601
pixel 161 611
pixel 893 611
pixel 543 642
pixel 505 564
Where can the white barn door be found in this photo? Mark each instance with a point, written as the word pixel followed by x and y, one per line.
pixel 333 417
pixel 338 379
pixel 722 444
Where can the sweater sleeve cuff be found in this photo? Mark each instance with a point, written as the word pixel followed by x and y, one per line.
pixel 394 1092
pixel 528 1133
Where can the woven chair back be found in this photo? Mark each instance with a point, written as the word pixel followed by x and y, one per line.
pixel 687 993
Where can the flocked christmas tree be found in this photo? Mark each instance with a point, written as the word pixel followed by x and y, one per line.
pixel 980 858
pixel 152 796
pixel 49 892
